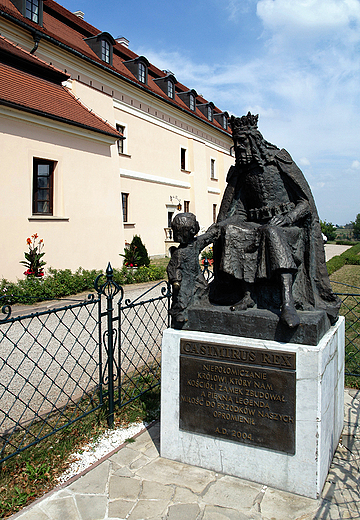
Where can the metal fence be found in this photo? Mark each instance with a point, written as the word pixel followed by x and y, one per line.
pixel 59 365
pixel 350 308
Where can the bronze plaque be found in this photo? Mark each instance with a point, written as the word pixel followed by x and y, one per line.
pixel 238 394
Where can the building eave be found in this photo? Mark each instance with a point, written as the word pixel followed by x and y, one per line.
pixel 107 69
pixel 53 117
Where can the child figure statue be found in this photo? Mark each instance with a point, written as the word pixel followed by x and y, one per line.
pixel 184 272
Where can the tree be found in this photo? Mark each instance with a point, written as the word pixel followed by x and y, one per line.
pixel 328 229
pixel 356 227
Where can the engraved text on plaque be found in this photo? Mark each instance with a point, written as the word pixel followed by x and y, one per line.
pixel 238 393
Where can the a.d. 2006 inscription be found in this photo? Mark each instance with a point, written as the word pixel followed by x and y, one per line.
pixel 238 394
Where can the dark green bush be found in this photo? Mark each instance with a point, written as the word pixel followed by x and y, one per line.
pixel 345 243
pixel 141 250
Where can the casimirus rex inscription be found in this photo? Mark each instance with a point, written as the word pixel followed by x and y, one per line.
pixel 237 393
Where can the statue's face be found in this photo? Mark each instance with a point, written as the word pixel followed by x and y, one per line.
pixel 243 152
pixel 183 234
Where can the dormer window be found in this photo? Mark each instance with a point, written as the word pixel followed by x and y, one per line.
pixel 31 9
pixel 207 109
pixel 170 89
pixel 222 119
pixel 105 51
pixel 142 73
pixel 102 45
pixel 139 67
pixel 189 98
pixel 167 84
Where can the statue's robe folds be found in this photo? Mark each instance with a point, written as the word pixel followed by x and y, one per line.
pixel 249 249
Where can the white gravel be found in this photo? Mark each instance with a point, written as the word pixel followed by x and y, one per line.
pixel 94 451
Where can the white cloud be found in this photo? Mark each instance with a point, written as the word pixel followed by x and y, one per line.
pixel 308 15
pixel 305 84
pixel 236 7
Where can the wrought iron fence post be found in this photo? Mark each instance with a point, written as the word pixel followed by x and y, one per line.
pixel 110 332
pixel 169 297
pixel 109 289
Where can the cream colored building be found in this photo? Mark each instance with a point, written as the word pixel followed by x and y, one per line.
pixel 174 155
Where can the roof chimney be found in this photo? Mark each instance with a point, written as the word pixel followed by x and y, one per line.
pixel 123 41
pixel 79 14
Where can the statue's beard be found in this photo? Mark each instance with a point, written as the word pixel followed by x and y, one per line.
pixel 244 158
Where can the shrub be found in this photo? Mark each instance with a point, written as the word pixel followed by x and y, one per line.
pixel 345 243
pixel 136 254
pixel 208 253
pixel 62 282
pixel 137 244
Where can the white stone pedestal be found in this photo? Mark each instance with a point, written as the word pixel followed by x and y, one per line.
pixel 318 424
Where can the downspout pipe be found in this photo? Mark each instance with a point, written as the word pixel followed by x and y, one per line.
pixel 36 37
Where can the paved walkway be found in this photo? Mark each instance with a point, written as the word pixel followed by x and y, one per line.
pixel 135 483
pixel 334 250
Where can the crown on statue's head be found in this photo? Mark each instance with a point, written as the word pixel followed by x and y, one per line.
pixel 244 124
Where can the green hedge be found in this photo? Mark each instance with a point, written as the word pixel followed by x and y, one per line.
pixel 349 257
pixel 346 243
pixel 60 283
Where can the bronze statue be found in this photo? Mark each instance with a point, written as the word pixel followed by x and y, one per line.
pixel 268 248
pixel 184 272
pixel 270 251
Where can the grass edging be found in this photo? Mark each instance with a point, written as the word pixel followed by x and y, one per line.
pixel 349 257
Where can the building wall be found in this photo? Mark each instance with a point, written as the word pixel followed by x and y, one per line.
pixel 84 231
pixel 150 168
pixel 92 175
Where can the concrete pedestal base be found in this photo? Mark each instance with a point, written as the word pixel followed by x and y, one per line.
pixel 319 415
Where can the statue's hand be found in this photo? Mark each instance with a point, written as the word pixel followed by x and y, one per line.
pixel 280 220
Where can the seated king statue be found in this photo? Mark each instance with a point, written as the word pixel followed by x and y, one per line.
pixel 269 250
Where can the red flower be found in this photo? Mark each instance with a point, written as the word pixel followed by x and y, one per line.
pixel 35 235
pixel 28 241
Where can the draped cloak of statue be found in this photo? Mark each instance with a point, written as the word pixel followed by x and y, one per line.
pixel 250 251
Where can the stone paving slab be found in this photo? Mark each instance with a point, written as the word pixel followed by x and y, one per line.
pixel 137 484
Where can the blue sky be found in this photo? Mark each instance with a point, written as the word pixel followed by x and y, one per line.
pixel 295 62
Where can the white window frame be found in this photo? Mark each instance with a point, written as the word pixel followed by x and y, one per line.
pixel 192 102
pixel 186 169
pixel 125 211
pixel 213 172
pixel 142 72
pixel 125 141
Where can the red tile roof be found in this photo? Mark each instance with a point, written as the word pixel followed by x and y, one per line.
pixel 69 30
pixel 24 91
